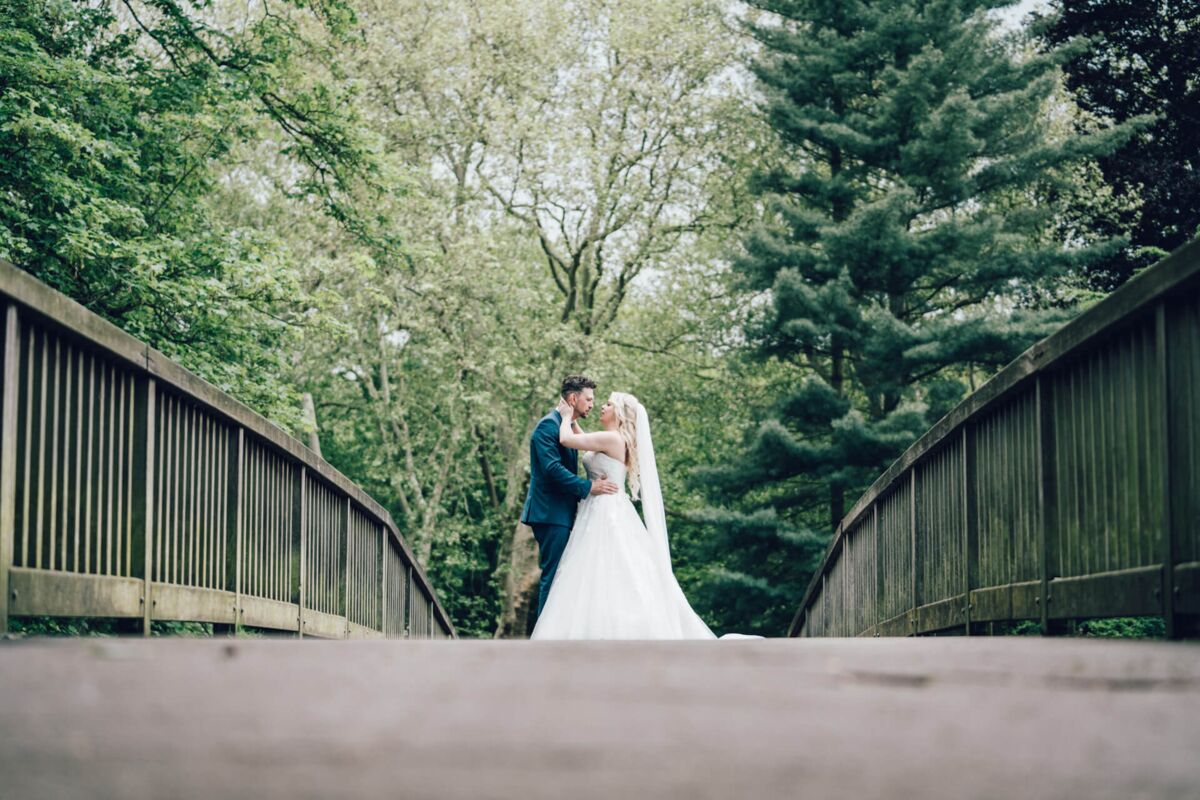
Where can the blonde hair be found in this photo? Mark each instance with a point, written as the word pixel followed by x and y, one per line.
pixel 626 408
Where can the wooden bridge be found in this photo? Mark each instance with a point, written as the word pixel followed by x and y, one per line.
pixel 131 488
pixel 1067 488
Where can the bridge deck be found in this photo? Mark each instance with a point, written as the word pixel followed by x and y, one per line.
pixel 927 718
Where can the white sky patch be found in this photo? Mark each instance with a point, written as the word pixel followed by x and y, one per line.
pixel 1012 16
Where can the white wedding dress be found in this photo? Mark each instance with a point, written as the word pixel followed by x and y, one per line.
pixel 615 579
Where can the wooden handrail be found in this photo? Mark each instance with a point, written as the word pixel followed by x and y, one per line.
pixel 130 487
pixel 1042 494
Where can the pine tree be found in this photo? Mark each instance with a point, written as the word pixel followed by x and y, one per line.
pixel 895 242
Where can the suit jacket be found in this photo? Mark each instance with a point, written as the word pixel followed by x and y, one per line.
pixel 554 487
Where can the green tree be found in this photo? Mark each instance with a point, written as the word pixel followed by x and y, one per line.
pixel 113 120
pixel 899 247
pixel 1141 58
pixel 549 188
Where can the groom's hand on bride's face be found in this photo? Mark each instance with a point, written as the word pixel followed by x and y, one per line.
pixel 603 486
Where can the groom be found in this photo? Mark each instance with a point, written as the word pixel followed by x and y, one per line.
pixel 555 488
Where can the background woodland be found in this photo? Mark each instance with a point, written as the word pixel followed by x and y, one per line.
pixel 799 231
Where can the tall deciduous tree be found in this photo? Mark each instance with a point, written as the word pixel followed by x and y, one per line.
pixel 1140 58
pixel 113 117
pixel 892 243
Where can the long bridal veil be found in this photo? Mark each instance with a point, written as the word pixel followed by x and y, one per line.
pixel 655 517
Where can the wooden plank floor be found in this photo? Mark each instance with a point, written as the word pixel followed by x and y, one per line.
pixel 928 718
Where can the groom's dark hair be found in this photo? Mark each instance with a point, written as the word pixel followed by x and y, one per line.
pixel 576 383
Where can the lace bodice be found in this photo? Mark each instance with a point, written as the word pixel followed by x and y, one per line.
pixel 597 464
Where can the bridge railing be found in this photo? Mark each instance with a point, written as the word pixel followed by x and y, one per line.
pixel 1066 488
pixel 131 488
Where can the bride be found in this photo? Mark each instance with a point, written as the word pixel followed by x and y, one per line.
pixel 615 579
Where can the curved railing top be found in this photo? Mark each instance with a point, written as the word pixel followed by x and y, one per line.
pixel 1178 273
pixel 62 312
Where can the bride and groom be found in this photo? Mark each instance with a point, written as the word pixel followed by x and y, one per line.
pixel 605 573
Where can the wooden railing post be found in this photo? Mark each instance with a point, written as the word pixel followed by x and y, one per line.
pixel 302 536
pixel 381 571
pixel 144 472
pixel 408 601
pixel 915 584
pixel 235 491
pixel 346 553
pixel 1047 495
pixel 879 603
pixel 8 452
pixel 1167 592
pixel 970 523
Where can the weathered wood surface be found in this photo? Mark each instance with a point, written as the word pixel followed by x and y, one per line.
pixel 117 462
pixel 1075 468
pixel 821 718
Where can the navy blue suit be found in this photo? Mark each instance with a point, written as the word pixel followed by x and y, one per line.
pixel 555 490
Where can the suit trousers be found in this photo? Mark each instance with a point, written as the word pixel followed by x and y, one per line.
pixel 552 540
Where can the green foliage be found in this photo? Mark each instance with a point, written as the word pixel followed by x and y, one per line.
pixel 109 133
pixel 1137 59
pixel 63 626
pixel 902 246
pixel 425 214
pixel 1125 628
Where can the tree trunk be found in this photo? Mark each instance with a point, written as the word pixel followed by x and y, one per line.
pixel 837 383
pixel 309 412
pixel 520 586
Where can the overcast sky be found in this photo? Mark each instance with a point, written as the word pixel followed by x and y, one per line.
pixel 1018 12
